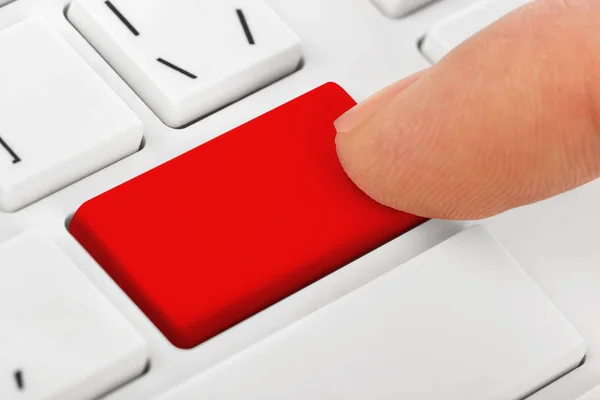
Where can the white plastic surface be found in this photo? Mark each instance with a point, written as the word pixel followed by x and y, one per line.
pixel 206 39
pixel 399 8
pixel 58 120
pixel 60 338
pixel 452 31
pixel 592 395
pixel 461 321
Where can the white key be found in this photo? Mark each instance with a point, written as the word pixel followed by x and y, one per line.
pixel 399 8
pixel 592 395
pixel 60 338
pixel 462 321
pixel 457 28
pixel 186 58
pixel 3 2
pixel 58 120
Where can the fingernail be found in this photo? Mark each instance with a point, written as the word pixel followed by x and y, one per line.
pixel 350 119
pixel 359 113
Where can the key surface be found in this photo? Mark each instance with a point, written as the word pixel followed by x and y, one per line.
pixel 399 8
pixel 452 31
pixel 60 338
pixel 186 58
pixel 237 224
pixel 462 321
pixel 59 122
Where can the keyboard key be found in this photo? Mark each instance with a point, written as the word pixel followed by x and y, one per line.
pixel 399 8
pixel 58 120
pixel 461 321
pixel 237 224
pixel 187 58
pixel 60 338
pixel 3 2
pixel 457 28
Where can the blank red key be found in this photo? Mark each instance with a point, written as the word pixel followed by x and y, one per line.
pixel 229 228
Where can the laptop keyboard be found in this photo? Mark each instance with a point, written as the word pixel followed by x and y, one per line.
pixel 174 223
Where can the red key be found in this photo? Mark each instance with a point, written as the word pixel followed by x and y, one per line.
pixel 220 233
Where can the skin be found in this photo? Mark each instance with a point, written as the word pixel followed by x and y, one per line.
pixel 510 117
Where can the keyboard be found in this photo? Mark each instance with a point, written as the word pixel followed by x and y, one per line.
pixel 175 224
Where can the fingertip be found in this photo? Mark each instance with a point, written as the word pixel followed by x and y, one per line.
pixel 356 141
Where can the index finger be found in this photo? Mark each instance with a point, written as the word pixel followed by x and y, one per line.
pixel 508 118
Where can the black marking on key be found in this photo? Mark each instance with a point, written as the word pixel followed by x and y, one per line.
pixel 10 151
pixel 244 23
pixel 122 18
pixel 19 379
pixel 176 68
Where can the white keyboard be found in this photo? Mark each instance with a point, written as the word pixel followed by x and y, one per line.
pixel 110 105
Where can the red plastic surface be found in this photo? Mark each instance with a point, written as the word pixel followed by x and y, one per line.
pixel 220 233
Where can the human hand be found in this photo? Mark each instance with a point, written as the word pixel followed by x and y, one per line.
pixel 511 117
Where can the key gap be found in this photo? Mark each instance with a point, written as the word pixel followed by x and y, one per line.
pixel 245 26
pixel 176 68
pixel 130 380
pixel 549 383
pixel 122 18
pixel 420 48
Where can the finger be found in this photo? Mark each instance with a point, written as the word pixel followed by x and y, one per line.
pixel 510 117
